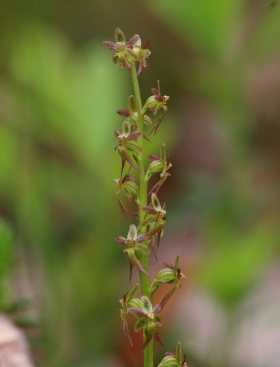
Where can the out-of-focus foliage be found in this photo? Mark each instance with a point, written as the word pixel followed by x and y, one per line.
pixel 6 250
pixel 208 24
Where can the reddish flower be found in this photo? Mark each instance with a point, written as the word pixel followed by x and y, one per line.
pixel 128 52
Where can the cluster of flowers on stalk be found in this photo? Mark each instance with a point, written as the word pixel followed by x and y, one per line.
pixel 144 239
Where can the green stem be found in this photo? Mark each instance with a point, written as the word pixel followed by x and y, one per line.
pixel 145 284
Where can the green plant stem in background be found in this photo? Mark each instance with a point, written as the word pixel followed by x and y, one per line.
pixel 149 350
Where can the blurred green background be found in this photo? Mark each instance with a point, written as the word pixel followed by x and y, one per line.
pixel 219 62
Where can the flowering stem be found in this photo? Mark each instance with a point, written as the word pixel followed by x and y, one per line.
pixel 146 236
pixel 145 285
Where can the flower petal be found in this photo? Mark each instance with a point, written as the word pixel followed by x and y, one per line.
pixel 110 45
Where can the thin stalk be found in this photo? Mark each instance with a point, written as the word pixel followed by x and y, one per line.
pixel 149 350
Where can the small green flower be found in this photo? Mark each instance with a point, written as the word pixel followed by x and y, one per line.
pixel 155 103
pixel 134 244
pixel 148 319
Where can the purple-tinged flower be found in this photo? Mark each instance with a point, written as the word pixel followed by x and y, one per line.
pixel 128 185
pixel 128 146
pixel 159 165
pixel 125 303
pixel 142 53
pixel 128 52
pixel 134 244
pixel 155 103
pixel 155 217
pixel 123 137
pixel 147 318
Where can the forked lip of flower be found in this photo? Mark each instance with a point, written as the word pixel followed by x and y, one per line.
pixel 165 99
pixel 118 181
pixel 182 275
pixel 159 97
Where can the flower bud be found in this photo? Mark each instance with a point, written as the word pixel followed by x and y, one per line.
pixel 154 168
pixel 151 102
pixel 131 188
pixel 166 275
pixel 169 361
